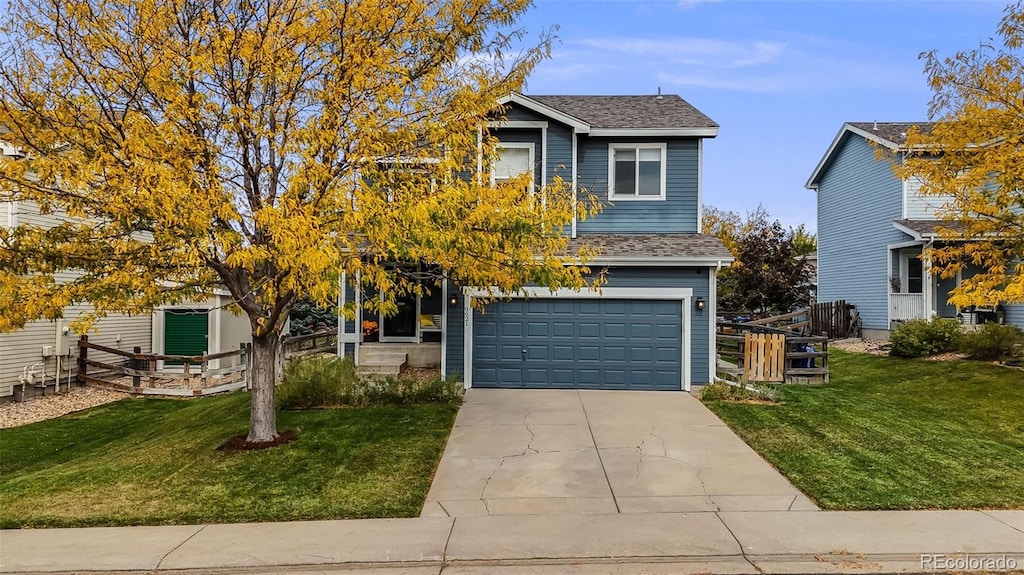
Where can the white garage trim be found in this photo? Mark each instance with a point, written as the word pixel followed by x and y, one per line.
pixel 683 295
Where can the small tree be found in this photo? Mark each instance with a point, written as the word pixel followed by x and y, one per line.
pixel 768 277
pixel 267 147
pixel 769 274
pixel 975 153
pixel 804 242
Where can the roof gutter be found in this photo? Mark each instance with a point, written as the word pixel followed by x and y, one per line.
pixel 662 261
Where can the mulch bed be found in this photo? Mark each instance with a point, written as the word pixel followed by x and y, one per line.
pixel 238 442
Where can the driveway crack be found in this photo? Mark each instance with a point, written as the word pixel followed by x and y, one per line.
pixel 664 455
pixel 600 460
pixel 533 436
pixel 528 449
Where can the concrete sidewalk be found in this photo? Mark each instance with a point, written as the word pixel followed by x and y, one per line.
pixel 739 542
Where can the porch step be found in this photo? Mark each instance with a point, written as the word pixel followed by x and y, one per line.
pixel 382 356
pixel 381 362
pixel 389 369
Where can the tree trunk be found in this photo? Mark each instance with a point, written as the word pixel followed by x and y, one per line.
pixel 262 415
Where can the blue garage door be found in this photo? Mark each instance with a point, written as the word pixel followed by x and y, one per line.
pixel 579 344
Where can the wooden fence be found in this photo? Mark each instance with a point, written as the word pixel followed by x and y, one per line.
pixel 138 372
pixel 794 321
pixel 832 319
pixel 319 342
pixel 758 353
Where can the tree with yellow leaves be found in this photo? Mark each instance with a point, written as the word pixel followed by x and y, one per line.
pixel 975 153
pixel 266 147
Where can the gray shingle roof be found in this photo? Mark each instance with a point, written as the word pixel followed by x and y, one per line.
pixel 654 245
pixel 927 228
pixel 668 111
pixel 895 132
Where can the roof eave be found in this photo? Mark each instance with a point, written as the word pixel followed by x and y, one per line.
pixel 545 110
pixel 692 132
pixel 660 261
pixel 914 234
pixel 812 182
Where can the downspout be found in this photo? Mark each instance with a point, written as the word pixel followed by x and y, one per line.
pixel 575 205
pixel 713 320
pixel 543 162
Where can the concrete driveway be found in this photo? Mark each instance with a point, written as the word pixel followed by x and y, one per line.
pixel 528 452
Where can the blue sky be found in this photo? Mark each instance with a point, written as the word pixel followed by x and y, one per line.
pixel 779 77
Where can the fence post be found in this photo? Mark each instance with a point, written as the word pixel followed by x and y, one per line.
pixel 202 373
pixel 248 366
pixel 136 359
pixel 83 355
pixel 244 361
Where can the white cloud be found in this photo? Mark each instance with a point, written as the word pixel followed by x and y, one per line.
pixel 760 84
pixel 797 63
pixel 693 51
pixel 688 4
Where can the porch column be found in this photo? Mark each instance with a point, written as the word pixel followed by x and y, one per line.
pixel 928 290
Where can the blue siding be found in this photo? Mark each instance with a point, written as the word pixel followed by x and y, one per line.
pixel 515 113
pixel 677 213
pixel 689 277
pixel 560 152
pixel 455 336
pixel 858 199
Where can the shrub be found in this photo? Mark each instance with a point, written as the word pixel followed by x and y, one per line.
pixel 920 337
pixel 993 341
pixel 721 391
pixel 318 382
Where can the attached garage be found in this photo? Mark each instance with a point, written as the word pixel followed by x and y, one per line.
pixel 619 338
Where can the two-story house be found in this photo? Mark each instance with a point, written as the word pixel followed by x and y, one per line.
pixel 873 229
pixel 651 326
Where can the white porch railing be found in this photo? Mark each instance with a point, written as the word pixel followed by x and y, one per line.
pixel 906 306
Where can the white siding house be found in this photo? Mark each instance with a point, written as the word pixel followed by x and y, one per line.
pixel 46 351
pixel 41 346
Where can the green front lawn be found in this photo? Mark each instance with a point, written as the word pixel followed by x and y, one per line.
pixel 892 433
pixel 154 461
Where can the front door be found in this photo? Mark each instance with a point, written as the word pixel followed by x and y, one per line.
pixel 402 325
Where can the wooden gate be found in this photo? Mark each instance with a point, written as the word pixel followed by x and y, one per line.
pixel 764 357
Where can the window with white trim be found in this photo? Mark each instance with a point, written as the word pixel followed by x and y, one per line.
pixel 636 171
pixel 512 160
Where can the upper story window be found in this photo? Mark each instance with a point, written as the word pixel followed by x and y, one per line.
pixel 636 171
pixel 513 159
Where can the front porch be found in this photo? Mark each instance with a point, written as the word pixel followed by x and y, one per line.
pixel 410 335
pixel 906 307
pixel 379 358
pixel 915 292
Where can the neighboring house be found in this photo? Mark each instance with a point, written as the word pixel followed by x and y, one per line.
pixel 48 349
pixel 873 228
pixel 651 327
